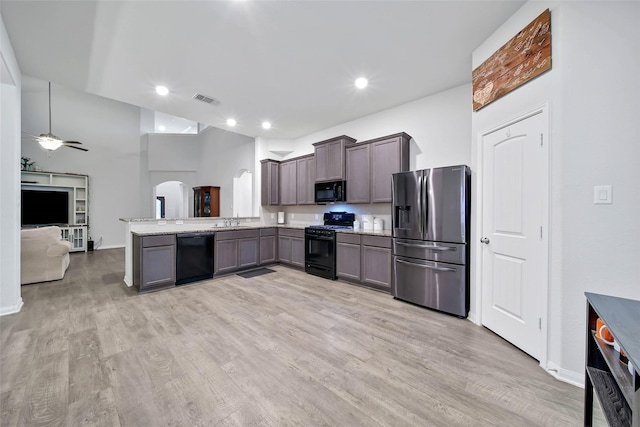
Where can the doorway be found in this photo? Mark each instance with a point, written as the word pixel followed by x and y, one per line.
pixel 514 232
pixel 243 194
pixel 176 202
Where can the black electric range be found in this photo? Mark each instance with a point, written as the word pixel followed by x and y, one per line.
pixel 320 244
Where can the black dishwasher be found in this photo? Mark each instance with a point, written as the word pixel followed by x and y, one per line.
pixel 194 257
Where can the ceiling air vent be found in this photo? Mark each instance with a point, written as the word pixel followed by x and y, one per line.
pixel 206 99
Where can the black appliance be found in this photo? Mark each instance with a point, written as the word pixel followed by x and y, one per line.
pixel 320 244
pixel 431 229
pixel 194 257
pixel 330 192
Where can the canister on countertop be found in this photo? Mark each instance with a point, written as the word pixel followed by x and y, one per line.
pixel 367 222
pixel 356 225
pixel 378 224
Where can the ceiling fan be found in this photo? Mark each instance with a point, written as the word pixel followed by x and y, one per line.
pixel 49 141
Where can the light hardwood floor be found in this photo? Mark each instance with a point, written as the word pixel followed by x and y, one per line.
pixel 285 348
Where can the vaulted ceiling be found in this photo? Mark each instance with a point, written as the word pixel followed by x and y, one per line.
pixel 293 63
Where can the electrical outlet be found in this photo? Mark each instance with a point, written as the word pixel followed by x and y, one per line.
pixel 291 216
pixel 273 216
pixel 317 216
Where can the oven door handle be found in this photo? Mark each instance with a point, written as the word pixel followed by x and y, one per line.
pixel 319 238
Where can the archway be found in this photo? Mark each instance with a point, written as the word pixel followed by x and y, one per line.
pixel 173 195
pixel 243 194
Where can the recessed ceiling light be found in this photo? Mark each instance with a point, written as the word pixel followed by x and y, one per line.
pixel 231 122
pixel 266 125
pixel 162 90
pixel 361 83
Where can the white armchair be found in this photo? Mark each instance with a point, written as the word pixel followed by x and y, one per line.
pixel 44 256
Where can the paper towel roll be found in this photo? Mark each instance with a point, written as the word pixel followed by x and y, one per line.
pixel 280 217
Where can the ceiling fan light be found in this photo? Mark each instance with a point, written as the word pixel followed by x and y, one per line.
pixel 50 144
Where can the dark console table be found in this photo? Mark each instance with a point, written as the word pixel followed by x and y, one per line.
pixel 618 390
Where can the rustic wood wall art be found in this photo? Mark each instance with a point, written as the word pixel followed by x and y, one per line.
pixel 524 57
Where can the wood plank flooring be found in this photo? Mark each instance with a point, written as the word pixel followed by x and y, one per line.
pixel 280 349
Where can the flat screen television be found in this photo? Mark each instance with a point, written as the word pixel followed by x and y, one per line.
pixel 44 207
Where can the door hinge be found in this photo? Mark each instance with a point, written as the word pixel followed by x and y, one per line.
pixel 539 322
pixel 541 139
pixel 541 232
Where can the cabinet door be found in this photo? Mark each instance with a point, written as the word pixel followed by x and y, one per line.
pixel 158 266
pixel 358 173
pixel 267 249
pixel 284 249
pixel 348 261
pixel 288 185
pixel 306 179
pixel 322 161
pixel 248 252
pixel 335 160
pixel 376 267
pixel 387 157
pixel 270 185
pixel 226 255
pixel 297 251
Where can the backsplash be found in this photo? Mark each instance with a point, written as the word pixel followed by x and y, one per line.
pixel 312 214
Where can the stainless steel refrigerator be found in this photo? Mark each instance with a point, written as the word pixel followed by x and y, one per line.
pixel 431 234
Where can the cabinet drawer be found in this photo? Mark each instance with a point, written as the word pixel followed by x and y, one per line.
pixel 268 232
pixel 378 241
pixel 291 232
pixel 162 240
pixel 237 234
pixel 348 238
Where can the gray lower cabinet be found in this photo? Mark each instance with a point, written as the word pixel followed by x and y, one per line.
pixel 268 245
pixel 154 262
pixel 348 256
pixel 364 259
pixel 291 246
pixel 376 262
pixel 236 250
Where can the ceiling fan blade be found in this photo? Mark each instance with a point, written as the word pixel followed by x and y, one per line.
pixel 77 148
pixel 29 134
pixel 71 142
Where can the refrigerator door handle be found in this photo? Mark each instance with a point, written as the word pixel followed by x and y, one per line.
pixel 432 248
pixel 426 266
pixel 420 203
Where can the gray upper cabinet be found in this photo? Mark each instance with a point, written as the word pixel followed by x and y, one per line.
pixel 288 182
pixel 389 155
pixel 358 173
pixel 270 186
pixel 329 157
pixel 370 165
pixel 306 169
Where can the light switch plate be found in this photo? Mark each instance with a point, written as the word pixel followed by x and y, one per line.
pixel 602 195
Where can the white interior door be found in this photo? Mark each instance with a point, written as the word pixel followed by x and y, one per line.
pixel 514 260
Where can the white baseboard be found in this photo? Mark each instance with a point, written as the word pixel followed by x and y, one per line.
pixel 564 375
pixel 127 281
pixel 12 309
pixel 109 247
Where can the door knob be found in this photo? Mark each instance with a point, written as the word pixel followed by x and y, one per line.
pixel 484 240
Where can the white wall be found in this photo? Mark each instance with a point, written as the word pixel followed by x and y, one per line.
pixel 593 93
pixel 224 155
pixel 439 125
pixel 110 130
pixel 10 87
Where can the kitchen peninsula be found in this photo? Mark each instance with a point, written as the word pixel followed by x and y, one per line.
pixel 240 244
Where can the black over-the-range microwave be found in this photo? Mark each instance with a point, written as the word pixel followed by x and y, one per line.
pixel 332 191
